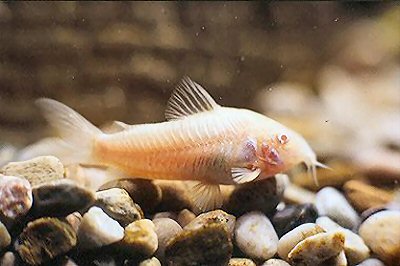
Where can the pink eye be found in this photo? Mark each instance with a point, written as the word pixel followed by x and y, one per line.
pixel 283 139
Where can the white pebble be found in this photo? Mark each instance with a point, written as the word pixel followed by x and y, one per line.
pixel 255 236
pixel 330 202
pixel 97 229
pixel 354 246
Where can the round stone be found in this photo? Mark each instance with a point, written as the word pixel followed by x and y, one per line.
pixel 275 262
pixel 5 238
pixel 97 229
pixel 354 246
pixel 330 202
pixel 150 262
pixel 15 197
pixel 37 171
pixel 140 238
pixel 217 216
pixel 143 192
pixel 118 205
pixel 255 236
pixel 241 262
pixel 263 196
pixel 185 216
pixel 209 245
pixel 44 239
pixel 371 262
pixel 60 198
pixel 316 249
pixel 293 216
pixel 381 233
pixel 166 229
pixel 293 237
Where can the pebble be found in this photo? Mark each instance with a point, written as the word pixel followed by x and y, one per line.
pixel 60 198
pixel 5 238
pixel 15 197
pixel 241 262
pixel 371 262
pixel 9 259
pixel 184 217
pixel 255 236
pixel 140 238
pixel 175 196
pixel 381 233
pixel 143 192
pixel 171 215
pixel 97 229
pixel 150 262
pixel 37 171
pixel 297 195
pixel 316 249
pixel 288 241
pixel 354 246
pixel 44 239
pixel 339 260
pixel 74 219
pixel 330 202
pixel 117 203
pixel 217 216
pixel 166 229
pixel 209 245
pixel 275 262
pixel 293 216
pixel 263 196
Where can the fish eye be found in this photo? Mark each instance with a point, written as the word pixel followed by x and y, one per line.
pixel 283 139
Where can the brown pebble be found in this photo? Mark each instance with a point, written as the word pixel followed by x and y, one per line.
pixel 185 217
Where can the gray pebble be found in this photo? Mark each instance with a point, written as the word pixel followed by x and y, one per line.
pixel 166 229
pixel 275 262
pixel 117 203
pixel 371 262
pixel 185 216
pixel 330 202
pixel 37 170
pixel 255 236
pixel 60 198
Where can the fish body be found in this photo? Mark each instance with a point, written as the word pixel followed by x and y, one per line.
pixel 201 141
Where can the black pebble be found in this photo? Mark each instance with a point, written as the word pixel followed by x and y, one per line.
pixel 293 216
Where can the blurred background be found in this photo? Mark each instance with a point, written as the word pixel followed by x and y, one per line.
pixel 327 69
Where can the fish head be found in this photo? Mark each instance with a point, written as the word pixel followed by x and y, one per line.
pixel 284 149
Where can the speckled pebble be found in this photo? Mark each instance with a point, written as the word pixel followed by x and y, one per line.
pixel 97 229
pixel 292 238
pixel 381 233
pixel 293 216
pixel 330 202
pixel 140 238
pixel 143 192
pixel 217 216
pixel 5 238
pixel 60 198
pixel 209 245
pixel 117 203
pixel 37 170
pixel 150 262
pixel 255 236
pixel 275 262
pixel 15 197
pixel 45 239
pixel 241 262
pixel 166 229
pixel 354 246
pixel 315 249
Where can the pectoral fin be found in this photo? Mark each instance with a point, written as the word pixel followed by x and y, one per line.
pixel 206 197
pixel 243 175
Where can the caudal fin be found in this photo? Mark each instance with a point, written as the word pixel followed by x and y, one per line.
pixel 76 133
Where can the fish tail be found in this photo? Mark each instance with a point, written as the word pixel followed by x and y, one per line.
pixel 77 135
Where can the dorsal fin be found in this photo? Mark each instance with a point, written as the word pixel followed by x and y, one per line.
pixel 188 98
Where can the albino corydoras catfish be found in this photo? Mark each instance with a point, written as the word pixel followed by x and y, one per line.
pixel 200 141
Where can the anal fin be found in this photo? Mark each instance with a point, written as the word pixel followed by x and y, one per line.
pixel 206 197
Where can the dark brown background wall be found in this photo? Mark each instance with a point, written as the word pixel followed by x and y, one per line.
pixel 120 60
